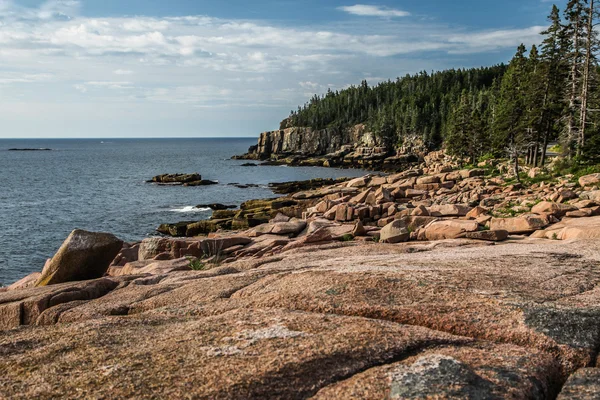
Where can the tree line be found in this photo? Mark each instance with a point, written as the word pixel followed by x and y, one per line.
pixel 545 94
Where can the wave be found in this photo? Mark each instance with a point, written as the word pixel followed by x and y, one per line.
pixel 190 209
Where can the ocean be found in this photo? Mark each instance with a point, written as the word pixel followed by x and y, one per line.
pixel 100 185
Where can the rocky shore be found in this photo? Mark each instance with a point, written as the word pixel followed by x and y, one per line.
pixel 436 282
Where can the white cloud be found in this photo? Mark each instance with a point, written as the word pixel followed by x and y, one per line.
pixel 52 54
pixel 364 10
pixel 123 72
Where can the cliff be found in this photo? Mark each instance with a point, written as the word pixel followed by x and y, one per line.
pixel 355 146
pixel 311 142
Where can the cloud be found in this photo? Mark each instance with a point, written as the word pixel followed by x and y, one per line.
pixel 52 55
pixel 364 10
pixel 123 72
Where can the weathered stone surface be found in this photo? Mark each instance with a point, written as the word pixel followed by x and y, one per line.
pixel 589 180
pixel 582 385
pixel 578 228
pixel 82 256
pixel 23 307
pixel 449 229
pixel 593 195
pixel 527 223
pixel 449 210
pixel 478 372
pixel 27 282
pixel 524 317
pixel 394 232
pixel 556 209
pixel 491 236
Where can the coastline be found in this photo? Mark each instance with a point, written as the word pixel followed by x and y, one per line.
pixel 436 267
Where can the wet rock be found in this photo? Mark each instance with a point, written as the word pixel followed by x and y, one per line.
pixel 202 182
pixel 176 178
pixel 82 256
pixel 216 206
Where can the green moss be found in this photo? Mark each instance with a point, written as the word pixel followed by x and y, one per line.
pixel 348 237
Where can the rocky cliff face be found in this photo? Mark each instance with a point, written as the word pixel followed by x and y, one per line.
pixel 354 147
pixel 306 141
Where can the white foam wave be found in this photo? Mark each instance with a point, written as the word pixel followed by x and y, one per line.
pixel 190 209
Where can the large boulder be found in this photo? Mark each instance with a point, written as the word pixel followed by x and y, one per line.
pixel 527 223
pixel 593 195
pixel 577 228
pixel 589 180
pixel 489 236
pixel 395 232
pixel 83 256
pixel 448 229
pixel 449 210
pixel 557 209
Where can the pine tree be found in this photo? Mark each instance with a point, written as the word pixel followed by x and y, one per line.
pixel 574 32
pixel 553 55
pixel 591 45
pixel 509 132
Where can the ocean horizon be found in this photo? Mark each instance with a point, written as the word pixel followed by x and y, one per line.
pixel 100 185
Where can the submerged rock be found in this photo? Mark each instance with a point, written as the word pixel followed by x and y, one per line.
pixel 82 256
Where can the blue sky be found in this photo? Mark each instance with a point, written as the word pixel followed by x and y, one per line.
pixel 158 68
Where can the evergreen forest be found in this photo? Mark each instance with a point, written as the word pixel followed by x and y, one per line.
pixel 547 94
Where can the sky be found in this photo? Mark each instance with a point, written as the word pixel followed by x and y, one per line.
pixel 227 68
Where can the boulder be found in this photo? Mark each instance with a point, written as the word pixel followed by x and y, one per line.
pixel 584 212
pixel 83 256
pixel 576 228
pixel 589 180
pixel 293 227
pixel 471 173
pixel 557 209
pixel 359 230
pixel 477 212
pixel 426 180
pixel 322 234
pixel 449 210
pixel 420 211
pixel 490 236
pixel 523 224
pixel 593 195
pixel 582 385
pixel 394 232
pixel 448 229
